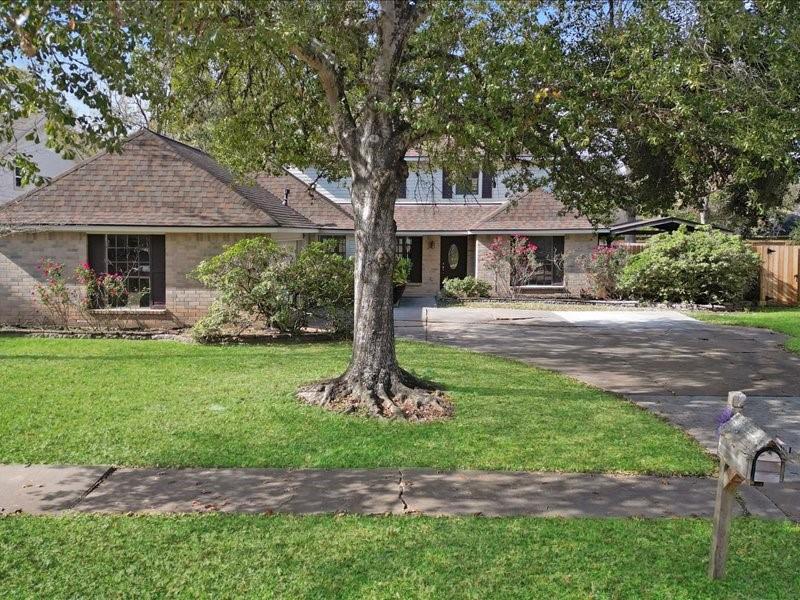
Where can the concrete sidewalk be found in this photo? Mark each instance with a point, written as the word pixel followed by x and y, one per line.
pixel 46 489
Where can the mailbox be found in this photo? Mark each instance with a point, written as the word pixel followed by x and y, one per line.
pixel 742 443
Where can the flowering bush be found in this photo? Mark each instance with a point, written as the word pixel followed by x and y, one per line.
pixel 604 267
pixel 513 262
pixel 106 290
pixel 53 294
pixel 86 276
pixel 704 266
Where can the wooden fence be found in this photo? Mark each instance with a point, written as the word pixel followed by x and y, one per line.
pixel 779 279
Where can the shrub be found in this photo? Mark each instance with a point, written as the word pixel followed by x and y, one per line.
pixel 794 234
pixel 706 266
pixel 466 288
pixel 106 290
pixel 53 294
pixel 604 267
pixel 258 281
pixel 402 271
pixel 324 285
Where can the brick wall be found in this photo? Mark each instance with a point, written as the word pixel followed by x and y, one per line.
pixel 575 278
pixel 20 256
pixel 186 301
pixel 577 248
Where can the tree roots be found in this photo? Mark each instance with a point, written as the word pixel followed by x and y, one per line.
pixel 400 396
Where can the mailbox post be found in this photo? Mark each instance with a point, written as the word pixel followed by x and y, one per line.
pixel 741 443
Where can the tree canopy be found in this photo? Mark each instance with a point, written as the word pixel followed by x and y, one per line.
pixel 616 103
pixel 665 103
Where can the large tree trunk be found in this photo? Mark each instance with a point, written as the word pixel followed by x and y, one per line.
pixel 375 145
pixel 374 384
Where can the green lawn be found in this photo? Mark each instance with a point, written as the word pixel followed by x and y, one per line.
pixel 164 403
pixel 782 320
pixel 216 556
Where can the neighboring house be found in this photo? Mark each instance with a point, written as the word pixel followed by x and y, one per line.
pixel 160 207
pixel 50 162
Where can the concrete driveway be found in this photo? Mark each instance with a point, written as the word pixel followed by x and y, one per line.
pixel 665 361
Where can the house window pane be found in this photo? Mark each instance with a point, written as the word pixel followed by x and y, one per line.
pixel 129 256
pixel 549 268
pixel 17 177
pixel 341 243
pixel 468 187
pixel 411 248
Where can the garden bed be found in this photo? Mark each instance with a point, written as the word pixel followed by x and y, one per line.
pixel 182 334
pixel 553 303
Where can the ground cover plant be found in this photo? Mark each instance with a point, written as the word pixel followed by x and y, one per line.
pixel 165 403
pixel 782 320
pixel 398 557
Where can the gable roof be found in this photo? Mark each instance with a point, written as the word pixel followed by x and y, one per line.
pixel 534 210
pixel 157 181
pixel 308 201
pixel 154 181
pixel 443 217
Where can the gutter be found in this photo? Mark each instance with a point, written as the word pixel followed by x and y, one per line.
pixel 159 229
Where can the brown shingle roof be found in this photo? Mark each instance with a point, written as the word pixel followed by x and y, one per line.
pixel 307 201
pixel 154 181
pixel 439 217
pixel 158 181
pixel 534 210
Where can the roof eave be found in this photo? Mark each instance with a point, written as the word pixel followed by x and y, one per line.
pixel 156 229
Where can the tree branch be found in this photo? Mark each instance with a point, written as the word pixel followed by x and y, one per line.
pixel 317 58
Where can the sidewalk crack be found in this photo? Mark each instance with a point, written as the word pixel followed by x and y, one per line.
pixel 402 485
pixel 94 486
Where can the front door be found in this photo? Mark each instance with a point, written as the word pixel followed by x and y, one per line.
pixel 454 257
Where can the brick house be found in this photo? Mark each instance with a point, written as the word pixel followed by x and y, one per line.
pixel 158 208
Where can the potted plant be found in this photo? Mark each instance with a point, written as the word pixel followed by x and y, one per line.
pixel 402 270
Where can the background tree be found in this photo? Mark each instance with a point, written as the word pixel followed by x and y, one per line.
pixel 678 104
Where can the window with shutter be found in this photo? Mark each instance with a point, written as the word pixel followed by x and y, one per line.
pixel 487 184
pixel 549 262
pixel 340 241
pixel 158 271
pixel 447 189
pixel 402 187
